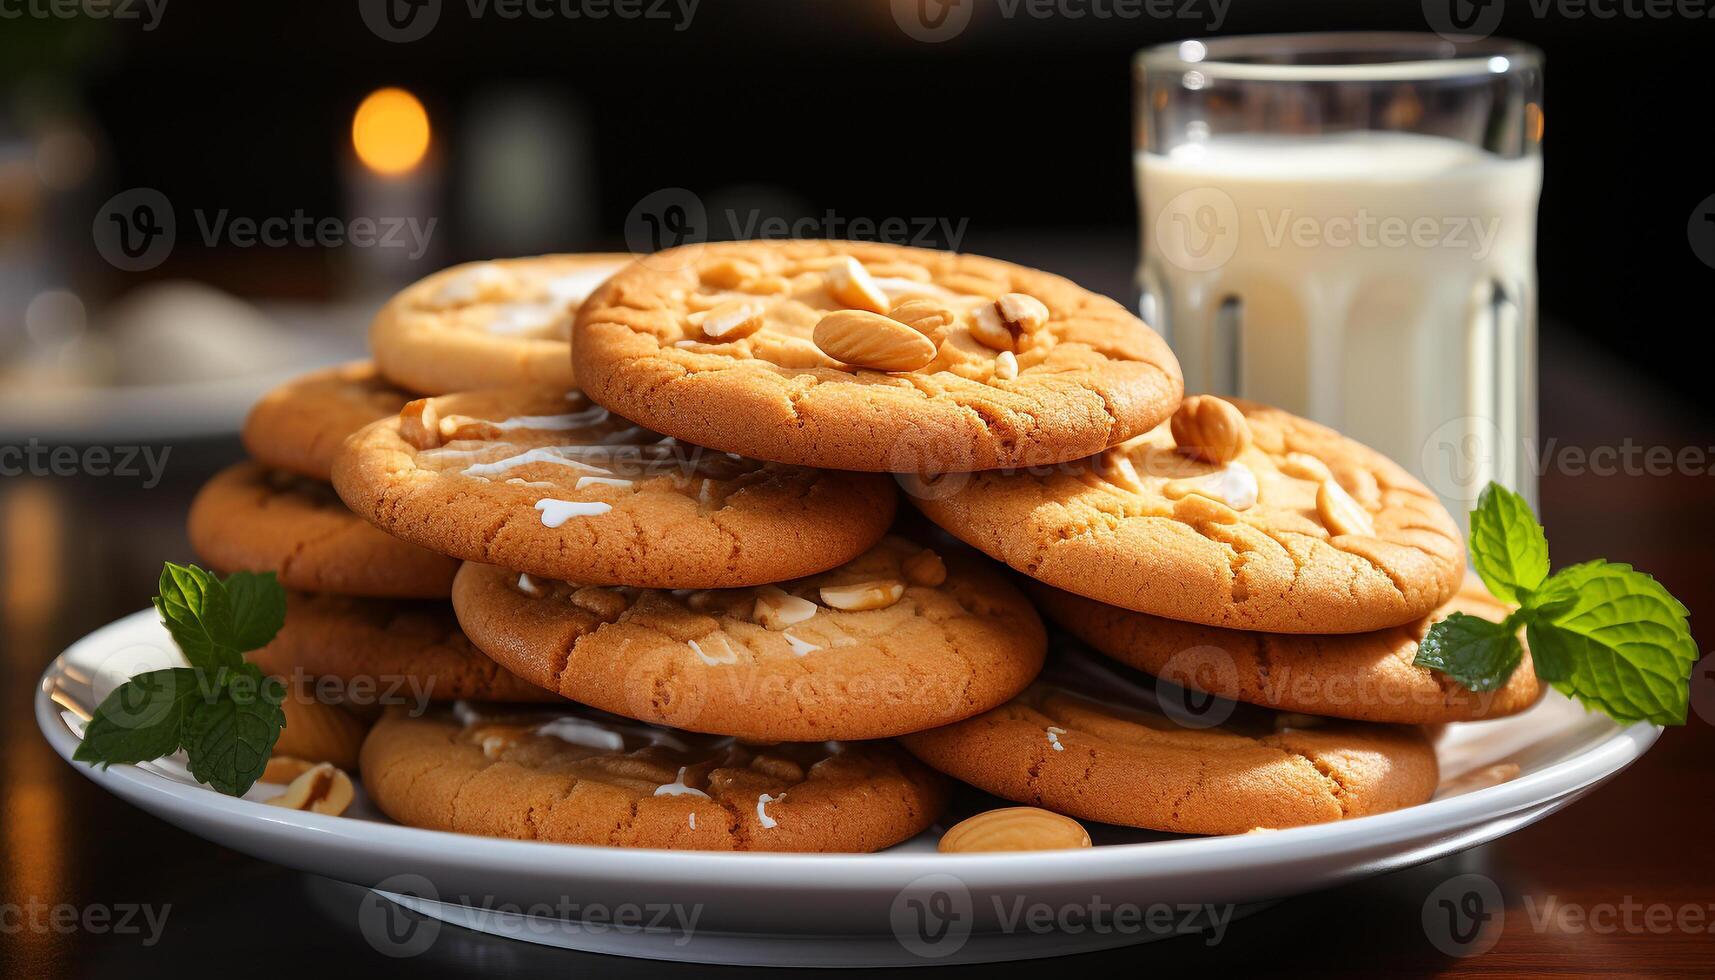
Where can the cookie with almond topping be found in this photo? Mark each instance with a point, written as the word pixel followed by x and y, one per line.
pixel 1090 745
pixel 542 480
pixel 1243 517
pixel 870 357
pixel 577 776
pixel 1361 676
pixel 487 324
pixel 898 640
pixel 300 426
pixel 253 519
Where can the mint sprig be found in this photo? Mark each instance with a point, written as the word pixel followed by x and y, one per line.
pixel 1604 633
pixel 223 712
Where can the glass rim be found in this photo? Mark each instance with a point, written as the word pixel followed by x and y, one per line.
pixel 1423 56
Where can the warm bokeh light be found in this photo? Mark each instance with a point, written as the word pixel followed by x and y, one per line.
pixel 390 131
pixel 1534 121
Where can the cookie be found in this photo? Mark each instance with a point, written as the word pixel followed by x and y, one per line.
pixel 388 651
pixel 487 324
pixel 731 346
pixel 1103 751
pixel 1361 676
pixel 895 641
pixel 249 518
pixel 579 777
pixel 1294 529
pixel 299 426
pixel 540 480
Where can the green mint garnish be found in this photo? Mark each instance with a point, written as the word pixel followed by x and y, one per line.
pixel 223 712
pixel 1604 633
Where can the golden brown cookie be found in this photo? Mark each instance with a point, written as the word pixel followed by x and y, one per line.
pixel 1361 676
pixel 731 345
pixel 579 777
pixel 300 425
pixel 487 324
pixel 1118 759
pixel 895 641
pixel 249 518
pixel 1298 530
pixel 387 651
pixel 542 481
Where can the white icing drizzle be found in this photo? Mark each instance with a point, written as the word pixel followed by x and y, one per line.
pixel 799 647
pixel 768 822
pixel 580 732
pixel 1054 734
pixel 678 788
pixel 569 420
pixel 730 656
pixel 546 454
pixel 693 818
pixel 606 481
pixel 557 512
pixel 527 585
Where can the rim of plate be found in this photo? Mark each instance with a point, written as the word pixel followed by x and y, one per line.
pixel 1592 765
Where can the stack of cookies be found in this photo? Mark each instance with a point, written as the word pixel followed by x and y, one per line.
pixel 694 558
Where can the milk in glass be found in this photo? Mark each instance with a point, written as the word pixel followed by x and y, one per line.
pixel 1382 283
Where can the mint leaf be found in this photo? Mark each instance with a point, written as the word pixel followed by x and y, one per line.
pixel 1616 640
pixel 141 720
pixel 1507 544
pixel 230 737
pixel 1477 653
pixel 258 608
pixel 197 611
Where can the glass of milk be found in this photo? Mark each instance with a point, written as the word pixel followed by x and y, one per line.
pixel 1344 225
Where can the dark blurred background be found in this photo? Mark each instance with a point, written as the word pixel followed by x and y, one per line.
pixel 1019 125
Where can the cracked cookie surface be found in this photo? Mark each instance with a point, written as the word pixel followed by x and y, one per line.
pixel 1098 753
pixel 487 324
pixel 300 426
pixel 577 776
pixel 541 480
pixel 1242 544
pixel 250 518
pixel 1361 676
pixel 389 648
pixel 1086 376
pixel 777 663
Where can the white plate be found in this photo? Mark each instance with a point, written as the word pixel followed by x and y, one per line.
pixel 908 905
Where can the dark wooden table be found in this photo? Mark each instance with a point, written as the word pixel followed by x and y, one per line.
pixel 78 552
